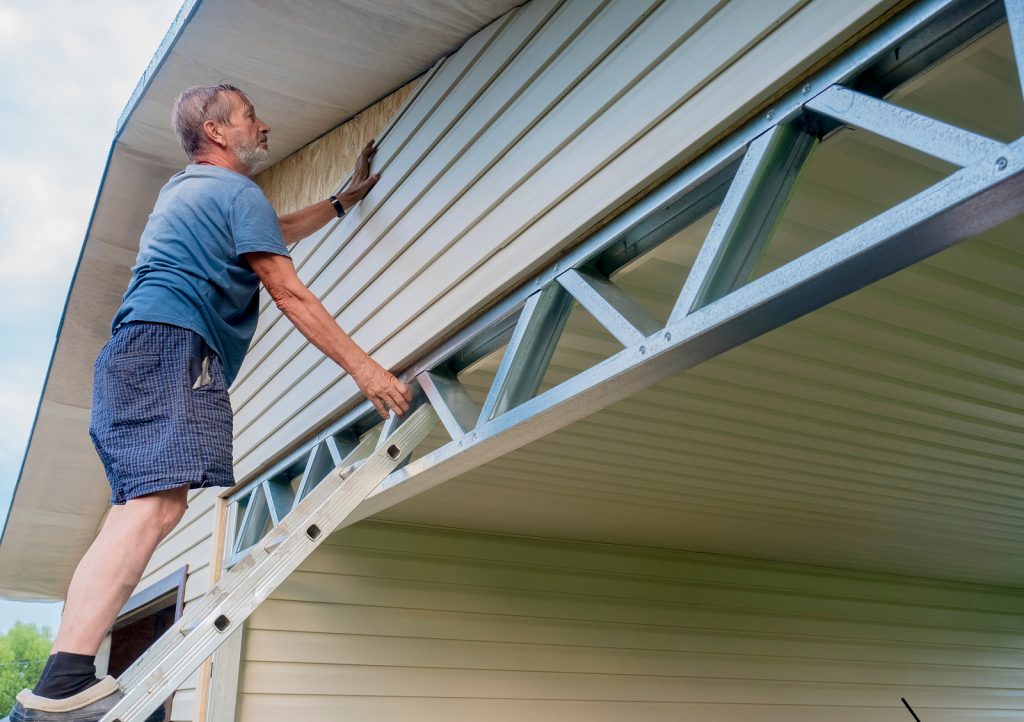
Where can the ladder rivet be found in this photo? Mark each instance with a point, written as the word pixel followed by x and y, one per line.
pixel 643 350
pixel 668 335
pixel 1001 163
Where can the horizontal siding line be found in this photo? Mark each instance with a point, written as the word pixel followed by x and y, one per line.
pixel 581 552
pixel 791 419
pixel 629 675
pixel 742 381
pixel 822 341
pixel 686 503
pixel 612 578
pixel 702 703
pixel 751 464
pixel 745 612
pixel 663 475
pixel 656 651
pixel 704 631
pixel 877 377
pixel 492 117
pixel 651 601
pixel 738 383
pixel 652 445
pixel 684 494
pixel 944 402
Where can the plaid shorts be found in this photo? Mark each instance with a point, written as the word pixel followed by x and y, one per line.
pixel 161 417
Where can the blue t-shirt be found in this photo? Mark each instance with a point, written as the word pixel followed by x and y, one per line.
pixel 190 271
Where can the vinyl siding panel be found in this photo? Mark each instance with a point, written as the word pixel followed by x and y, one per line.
pixel 526 137
pixel 387 620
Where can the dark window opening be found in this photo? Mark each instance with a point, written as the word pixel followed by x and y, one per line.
pixel 146 616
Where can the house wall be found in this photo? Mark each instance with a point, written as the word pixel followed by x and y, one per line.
pixel 540 126
pixel 392 622
pixel 534 131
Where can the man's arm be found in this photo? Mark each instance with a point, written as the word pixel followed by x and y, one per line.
pixel 296 226
pixel 314 322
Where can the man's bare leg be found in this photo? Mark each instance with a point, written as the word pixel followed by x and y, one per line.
pixel 113 566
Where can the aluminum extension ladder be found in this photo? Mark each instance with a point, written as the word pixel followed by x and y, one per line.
pixel 225 607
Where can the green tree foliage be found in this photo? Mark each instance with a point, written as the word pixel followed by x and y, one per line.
pixel 23 652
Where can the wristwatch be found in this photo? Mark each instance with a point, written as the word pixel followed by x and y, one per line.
pixel 337 206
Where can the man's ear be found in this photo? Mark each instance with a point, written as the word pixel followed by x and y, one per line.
pixel 214 134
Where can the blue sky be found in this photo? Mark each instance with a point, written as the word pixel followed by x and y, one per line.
pixel 66 71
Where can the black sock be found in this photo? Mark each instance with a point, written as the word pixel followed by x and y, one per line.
pixel 65 675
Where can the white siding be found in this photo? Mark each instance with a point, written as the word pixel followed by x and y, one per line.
pixel 388 622
pixel 536 129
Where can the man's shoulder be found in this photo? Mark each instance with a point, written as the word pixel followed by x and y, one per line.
pixel 211 183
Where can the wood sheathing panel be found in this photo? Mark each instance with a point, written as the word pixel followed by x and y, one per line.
pixel 535 130
pixel 391 623
pixel 314 172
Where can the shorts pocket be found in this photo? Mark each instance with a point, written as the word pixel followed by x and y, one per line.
pixel 133 388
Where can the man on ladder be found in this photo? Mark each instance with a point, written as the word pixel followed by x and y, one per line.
pixel 161 418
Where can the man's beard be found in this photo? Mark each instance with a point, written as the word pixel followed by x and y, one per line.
pixel 251 155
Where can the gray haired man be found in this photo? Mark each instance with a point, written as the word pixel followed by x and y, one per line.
pixel 161 418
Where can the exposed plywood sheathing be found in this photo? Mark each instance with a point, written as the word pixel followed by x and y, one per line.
pixel 314 172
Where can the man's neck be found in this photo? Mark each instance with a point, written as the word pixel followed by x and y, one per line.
pixel 223 160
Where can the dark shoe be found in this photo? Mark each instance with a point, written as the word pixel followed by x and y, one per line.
pixel 87 706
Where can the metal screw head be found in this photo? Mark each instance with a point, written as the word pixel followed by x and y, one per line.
pixel 1001 163
pixel 769 115
pixel 556 266
pixel 536 282
pixel 806 89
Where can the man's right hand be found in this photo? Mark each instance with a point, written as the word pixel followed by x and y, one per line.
pixel 383 389
pixel 362 181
